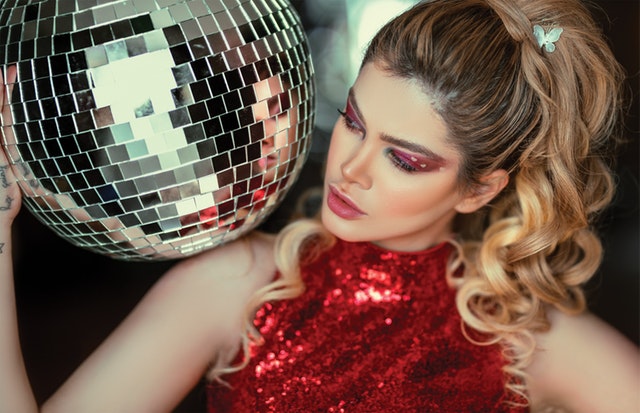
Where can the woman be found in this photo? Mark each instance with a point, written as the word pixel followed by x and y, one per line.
pixel 445 272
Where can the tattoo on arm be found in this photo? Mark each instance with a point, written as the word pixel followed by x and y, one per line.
pixel 3 176
pixel 1 247
pixel 4 182
pixel 7 204
pixel 26 172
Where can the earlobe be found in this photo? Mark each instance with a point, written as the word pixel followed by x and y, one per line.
pixel 491 185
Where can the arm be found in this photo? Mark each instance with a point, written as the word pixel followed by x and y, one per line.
pixel 15 390
pixel 585 365
pixel 161 350
pixel 163 347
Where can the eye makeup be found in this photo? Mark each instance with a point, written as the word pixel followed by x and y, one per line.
pixel 412 163
pixel 351 118
pixel 414 157
pixel 279 103
pixel 417 155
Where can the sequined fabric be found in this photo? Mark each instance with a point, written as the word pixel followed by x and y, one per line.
pixel 375 331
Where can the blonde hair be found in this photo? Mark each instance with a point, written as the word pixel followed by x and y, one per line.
pixel 297 243
pixel 549 119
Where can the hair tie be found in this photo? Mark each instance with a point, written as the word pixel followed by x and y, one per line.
pixel 547 39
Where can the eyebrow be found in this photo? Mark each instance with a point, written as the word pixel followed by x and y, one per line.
pixel 411 146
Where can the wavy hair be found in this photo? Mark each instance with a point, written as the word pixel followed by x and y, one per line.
pixel 551 120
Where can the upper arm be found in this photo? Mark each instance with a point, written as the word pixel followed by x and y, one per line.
pixel 585 365
pixel 163 348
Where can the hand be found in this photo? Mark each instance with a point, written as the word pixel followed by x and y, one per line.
pixel 10 194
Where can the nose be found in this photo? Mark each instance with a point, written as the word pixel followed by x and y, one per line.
pixel 356 168
pixel 267 144
pixel 261 114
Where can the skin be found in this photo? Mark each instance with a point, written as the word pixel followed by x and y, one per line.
pixel 275 113
pixel 276 110
pixel 389 155
pixel 196 309
pixel 585 365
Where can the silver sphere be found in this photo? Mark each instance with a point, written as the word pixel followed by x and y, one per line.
pixel 155 129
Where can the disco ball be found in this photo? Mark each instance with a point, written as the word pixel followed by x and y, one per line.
pixel 155 129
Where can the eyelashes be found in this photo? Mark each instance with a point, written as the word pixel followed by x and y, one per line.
pixel 350 123
pixel 405 162
pixel 399 162
pixel 411 163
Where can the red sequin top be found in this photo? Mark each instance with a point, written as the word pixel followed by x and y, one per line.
pixel 375 332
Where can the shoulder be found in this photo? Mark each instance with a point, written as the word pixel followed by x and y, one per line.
pixel 246 263
pixel 220 281
pixel 193 314
pixel 231 260
pixel 586 365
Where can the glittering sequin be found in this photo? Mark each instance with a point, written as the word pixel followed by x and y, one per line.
pixel 376 331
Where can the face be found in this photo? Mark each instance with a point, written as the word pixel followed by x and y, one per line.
pixel 279 117
pixel 391 176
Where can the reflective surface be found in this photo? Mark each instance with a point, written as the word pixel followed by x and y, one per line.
pixel 150 129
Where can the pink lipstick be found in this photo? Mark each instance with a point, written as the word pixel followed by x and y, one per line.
pixel 342 206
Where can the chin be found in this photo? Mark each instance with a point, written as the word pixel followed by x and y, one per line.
pixel 340 228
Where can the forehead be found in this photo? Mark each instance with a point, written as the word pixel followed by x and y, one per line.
pixel 399 107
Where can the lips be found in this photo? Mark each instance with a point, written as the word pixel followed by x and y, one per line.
pixel 341 205
pixel 267 162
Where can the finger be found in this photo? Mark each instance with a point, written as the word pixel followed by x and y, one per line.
pixel 7 89
pixel 6 117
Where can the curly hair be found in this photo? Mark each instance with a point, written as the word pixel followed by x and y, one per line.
pixel 551 120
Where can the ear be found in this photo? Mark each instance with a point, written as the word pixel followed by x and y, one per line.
pixel 490 186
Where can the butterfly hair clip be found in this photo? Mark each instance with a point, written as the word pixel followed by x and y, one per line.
pixel 547 39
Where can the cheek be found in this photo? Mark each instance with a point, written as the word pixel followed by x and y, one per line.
pixel 260 110
pixel 400 202
pixel 286 131
pixel 413 200
pixel 332 155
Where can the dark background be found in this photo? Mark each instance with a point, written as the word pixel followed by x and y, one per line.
pixel 70 299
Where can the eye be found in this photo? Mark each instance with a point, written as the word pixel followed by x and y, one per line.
pixel 351 120
pixel 409 163
pixel 348 122
pixel 279 104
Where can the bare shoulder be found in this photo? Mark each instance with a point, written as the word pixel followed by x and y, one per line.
pixel 585 365
pixel 215 286
pixel 195 313
pixel 234 269
pixel 250 257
